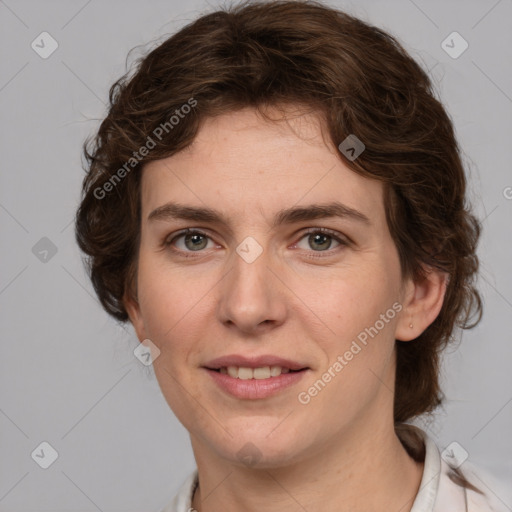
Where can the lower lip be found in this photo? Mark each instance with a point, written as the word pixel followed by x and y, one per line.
pixel 253 389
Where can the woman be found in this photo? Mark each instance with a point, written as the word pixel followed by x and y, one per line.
pixel 277 203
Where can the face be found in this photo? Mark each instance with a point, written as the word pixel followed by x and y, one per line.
pixel 258 285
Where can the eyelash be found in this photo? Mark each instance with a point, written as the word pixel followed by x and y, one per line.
pixel 189 254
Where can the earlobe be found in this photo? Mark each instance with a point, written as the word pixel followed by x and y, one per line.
pixel 423 300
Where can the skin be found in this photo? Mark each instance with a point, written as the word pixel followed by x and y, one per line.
pixel 339 452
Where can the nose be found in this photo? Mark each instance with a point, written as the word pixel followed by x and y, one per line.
pixel 252 298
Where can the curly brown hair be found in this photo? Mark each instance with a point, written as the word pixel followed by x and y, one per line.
pixel 359 80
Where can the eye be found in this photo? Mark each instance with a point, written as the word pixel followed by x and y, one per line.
pixel 321 239
pixel 194 241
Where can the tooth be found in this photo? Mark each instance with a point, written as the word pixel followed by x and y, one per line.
pixel 245 373
pixel 275 371
pixel 233 371
pixel 262 373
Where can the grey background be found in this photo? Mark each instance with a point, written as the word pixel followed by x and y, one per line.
pixel 68 373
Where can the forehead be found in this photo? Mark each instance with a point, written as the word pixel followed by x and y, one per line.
pixel 242 163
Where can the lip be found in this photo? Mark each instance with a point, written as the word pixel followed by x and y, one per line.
pixel 254 389
pixel 253 362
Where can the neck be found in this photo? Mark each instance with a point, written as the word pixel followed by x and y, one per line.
pixel 360 469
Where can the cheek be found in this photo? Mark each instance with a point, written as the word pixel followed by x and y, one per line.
pixel 161 299
pixel 359 352
pixel 163 290
pixel 349 302
pixel 170 306
pixel 173 305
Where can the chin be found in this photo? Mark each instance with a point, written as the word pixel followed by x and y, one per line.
pixel 260 450
pixel 255 456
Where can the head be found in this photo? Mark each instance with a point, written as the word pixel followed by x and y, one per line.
pixel 242 113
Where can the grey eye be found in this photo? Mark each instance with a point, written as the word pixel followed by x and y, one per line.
pixel 194 241
pixel 319 241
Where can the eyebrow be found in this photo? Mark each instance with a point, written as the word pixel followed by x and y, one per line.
pixel 176 211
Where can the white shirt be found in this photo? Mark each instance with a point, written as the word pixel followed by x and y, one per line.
pixel 437 492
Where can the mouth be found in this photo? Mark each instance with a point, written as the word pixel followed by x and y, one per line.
pixel 254 378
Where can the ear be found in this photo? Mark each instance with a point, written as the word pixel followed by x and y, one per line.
pixel 133 309
pixel 422 301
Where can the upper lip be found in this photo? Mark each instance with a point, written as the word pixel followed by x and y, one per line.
pixel 253 362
